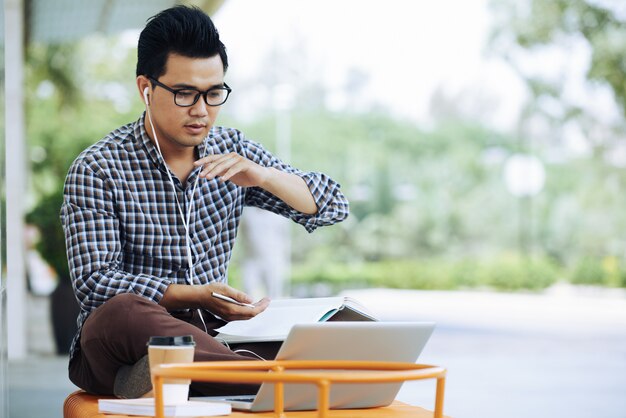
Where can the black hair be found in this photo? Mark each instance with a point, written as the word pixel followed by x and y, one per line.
pixel 182 30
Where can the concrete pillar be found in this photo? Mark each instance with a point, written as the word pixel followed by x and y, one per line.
pixel 15 140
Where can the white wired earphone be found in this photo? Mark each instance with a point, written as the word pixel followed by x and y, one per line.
pixel 180 210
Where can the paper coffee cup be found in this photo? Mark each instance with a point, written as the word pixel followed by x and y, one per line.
pixel 164 350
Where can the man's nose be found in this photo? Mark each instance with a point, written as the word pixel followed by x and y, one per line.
pixel 200 108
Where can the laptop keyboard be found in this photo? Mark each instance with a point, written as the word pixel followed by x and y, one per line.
pixel 241 399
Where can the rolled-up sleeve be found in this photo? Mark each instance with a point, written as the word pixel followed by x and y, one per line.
pixel 332 205
pixel 92 238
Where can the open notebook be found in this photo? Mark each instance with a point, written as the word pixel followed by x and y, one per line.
pixel 276 321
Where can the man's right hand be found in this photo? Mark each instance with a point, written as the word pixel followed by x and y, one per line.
pixel 227 310
pixel 200 296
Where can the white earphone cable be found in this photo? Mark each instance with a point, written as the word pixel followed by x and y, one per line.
pixel 180 210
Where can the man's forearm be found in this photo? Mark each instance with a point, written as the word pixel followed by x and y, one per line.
pixel 291 189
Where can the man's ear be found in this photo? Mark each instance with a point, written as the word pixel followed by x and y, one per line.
pixel 143 85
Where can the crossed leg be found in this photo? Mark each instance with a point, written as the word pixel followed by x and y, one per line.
pixel 116 335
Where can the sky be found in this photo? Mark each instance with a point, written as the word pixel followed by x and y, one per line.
pixel 406 49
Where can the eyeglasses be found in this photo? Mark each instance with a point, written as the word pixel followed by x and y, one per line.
pixel 215 96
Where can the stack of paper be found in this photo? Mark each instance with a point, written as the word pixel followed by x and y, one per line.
pixel 145 407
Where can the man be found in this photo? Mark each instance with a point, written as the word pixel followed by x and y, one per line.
pixel 151 212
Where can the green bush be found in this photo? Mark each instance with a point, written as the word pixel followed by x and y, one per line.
pixel 605 271
pixel 514 273
pixel 588 270
pixel 51 246
pixel 504 273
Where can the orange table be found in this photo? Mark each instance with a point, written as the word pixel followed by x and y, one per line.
pixel 322 373
pixel 81 405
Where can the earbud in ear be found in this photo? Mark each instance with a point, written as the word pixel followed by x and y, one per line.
pixel 145 95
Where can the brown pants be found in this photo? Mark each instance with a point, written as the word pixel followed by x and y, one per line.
pixel 116 334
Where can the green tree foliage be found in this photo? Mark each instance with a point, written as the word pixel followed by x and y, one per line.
pixel 70 103
pixel 578 218
pixel 535 23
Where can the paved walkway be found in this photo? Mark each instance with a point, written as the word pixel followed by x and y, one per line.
pixel 559 354
pixel 562 353
pixel 38 384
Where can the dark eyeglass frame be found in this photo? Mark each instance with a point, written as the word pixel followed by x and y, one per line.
pixel 199 93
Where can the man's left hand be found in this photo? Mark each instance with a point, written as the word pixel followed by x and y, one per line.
pixel 233 167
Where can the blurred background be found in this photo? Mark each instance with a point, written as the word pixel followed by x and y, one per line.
pixel 481 145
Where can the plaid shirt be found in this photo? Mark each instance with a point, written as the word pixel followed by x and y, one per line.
pixel 123 230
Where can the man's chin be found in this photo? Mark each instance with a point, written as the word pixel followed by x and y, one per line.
pixel 192 140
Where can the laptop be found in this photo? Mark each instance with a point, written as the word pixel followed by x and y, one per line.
pixel 365 341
